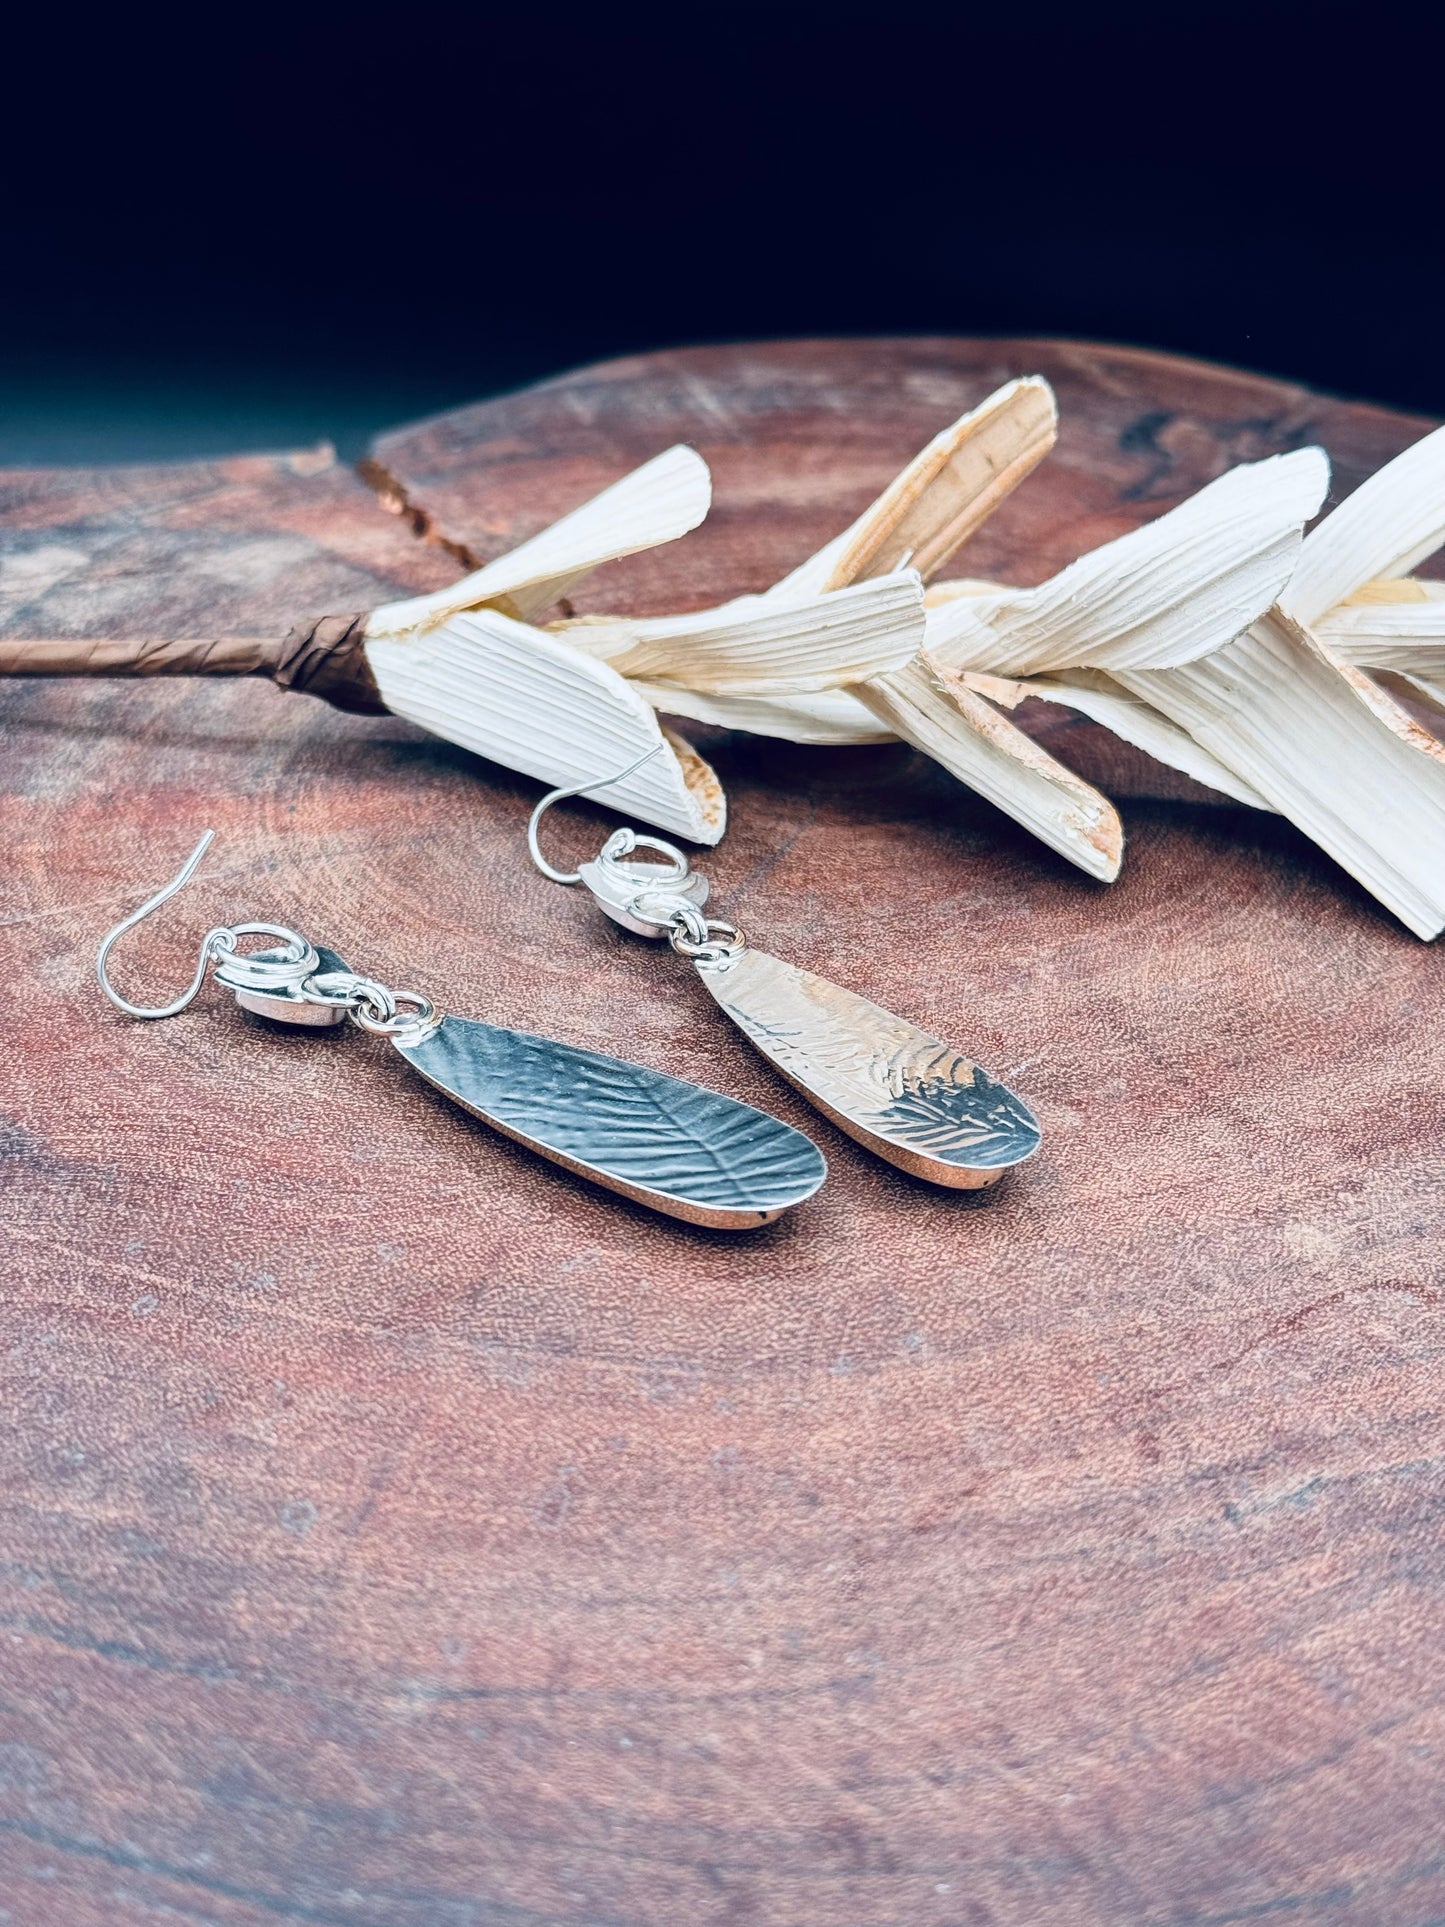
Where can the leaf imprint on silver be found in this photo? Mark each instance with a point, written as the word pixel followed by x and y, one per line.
pixel 909 1097
pixel 684 1150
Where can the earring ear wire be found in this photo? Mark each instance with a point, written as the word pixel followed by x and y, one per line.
pixel 178 882
pixel 560 796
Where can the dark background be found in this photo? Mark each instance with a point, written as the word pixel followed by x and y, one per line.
pixel 257 227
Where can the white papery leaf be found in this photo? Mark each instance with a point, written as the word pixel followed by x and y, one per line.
pixel 938 593
pixel 757 647
pixel 1164 594
pixel 1409 636
pixel 829 716
pixel 959 729
pixel 1094 693
pixel 534 702
pixel 654 504
pixel 1329 749
pixel 1291 708
pixel 948 490
pixel 1404 588
pixel 1185 584
pixel 1390 523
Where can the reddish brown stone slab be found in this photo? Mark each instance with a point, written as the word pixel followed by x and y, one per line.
pixel 396 1533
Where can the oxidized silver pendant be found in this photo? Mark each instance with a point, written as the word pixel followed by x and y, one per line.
pixel 908 1096
pixel 684 1150
pixel 678 1147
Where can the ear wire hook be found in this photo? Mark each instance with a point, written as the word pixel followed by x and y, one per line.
pixel 182 877
pixel 560 796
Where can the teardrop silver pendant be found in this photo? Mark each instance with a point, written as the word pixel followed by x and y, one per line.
pixel 906 1095
pixel 683 1149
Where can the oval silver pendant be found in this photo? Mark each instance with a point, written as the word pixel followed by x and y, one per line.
pixel 907 1096
pixel 684 1150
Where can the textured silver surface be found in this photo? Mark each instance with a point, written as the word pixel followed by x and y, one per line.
pixel 684 1150
pixel 909 1096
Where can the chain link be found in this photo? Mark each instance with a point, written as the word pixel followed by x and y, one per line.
pixel 704 939
pixel 369 1004
pixel 423 1015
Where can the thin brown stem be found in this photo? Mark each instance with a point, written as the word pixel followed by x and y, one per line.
pixel 109 656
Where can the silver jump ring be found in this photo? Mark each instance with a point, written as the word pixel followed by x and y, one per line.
pixel 711 942
pixel 345 990
pixel 409 1011
pixel 622 843
pixel 665 911
pixel 250 971
pixel 687 921
pixel 373 1006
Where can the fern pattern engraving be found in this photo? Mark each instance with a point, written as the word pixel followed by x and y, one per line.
pixel 622 1122
pixel 873 1068
pixel 980 1123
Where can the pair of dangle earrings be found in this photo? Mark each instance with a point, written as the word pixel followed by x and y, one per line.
pixel 689 1152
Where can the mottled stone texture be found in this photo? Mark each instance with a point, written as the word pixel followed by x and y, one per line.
pixel 395 1532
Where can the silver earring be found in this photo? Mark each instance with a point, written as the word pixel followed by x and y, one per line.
pixel 683 1150
pixel 911 1098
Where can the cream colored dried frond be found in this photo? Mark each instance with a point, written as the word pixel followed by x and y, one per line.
pixel 529 700
pixel 465 664
pixel 831 717
pixel 946 493
pixel 1330 750
pixel 664 499
pixel 762 648
pixel 1294 708
pixel 578 703
pixel 1217 639
pixel 1096 694
pixel 1167 594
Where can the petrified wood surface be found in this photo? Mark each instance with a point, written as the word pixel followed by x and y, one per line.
pixel 395 1532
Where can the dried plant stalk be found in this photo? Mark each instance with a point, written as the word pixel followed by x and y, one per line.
pixel 1164 595
pixel 1215 639
pixel 465 665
